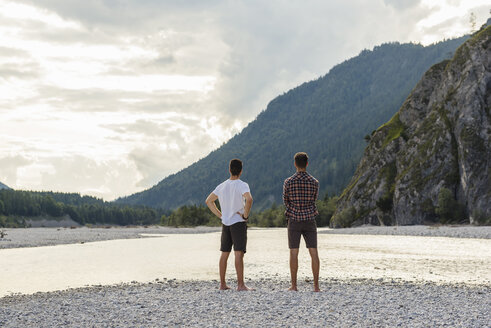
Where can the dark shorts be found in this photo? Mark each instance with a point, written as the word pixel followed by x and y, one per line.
pixel 236 235
pixel 307 229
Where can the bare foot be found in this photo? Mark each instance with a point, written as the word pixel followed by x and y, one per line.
pixel 293 289
pixel 224 287
pixel 317 289
pixel 243 288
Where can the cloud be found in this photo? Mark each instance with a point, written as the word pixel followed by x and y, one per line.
pixel 11 52
pixel 25 70
pixel 159 144
pixel 9 166
pixel 150 129
pixel 253 59
pixel 69 174
pixel 288 43
pixel 103 100
pixel 154 162
pixel 98 178
pixel 402 4
pixel 134 16
pixel 178 139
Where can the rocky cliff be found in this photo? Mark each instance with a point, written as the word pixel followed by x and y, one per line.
pixel 432 161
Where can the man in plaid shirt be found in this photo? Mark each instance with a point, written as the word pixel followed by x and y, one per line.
pixel 300 192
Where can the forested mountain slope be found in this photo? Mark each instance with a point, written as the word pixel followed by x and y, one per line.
pixel 328 118
pixel 2 186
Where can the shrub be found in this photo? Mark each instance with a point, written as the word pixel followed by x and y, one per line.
pixel 448 209
pixel 272 217
pixel 385 203
pixel 326 209
pixel 480 217
pixel 345 218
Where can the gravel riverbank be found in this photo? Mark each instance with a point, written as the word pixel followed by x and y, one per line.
pixel 363 303
pixel 33 237
pixel 348 301
pixel 454 231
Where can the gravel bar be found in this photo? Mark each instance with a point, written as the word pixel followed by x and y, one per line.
pixel 164 303
pixel 34 237
pixel 454 231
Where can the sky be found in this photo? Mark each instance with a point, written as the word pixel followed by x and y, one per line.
pixel 108 97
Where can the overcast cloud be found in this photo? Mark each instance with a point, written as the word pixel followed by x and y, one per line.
pixel 109 97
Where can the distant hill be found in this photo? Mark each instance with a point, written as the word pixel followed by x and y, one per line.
pixel 431 161
pixel 2 186
pixel 328 118
pixel 19 208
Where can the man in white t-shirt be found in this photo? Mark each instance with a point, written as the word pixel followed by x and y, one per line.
pixel 231 194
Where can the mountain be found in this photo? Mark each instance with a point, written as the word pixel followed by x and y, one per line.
pixel 327 118
pixel 432 160
pixel 2 186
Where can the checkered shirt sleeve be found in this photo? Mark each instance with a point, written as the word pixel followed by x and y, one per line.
pixel 300 191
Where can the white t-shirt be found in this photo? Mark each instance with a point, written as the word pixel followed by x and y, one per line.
pixel 231 197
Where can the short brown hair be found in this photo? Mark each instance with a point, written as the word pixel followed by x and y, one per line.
pixel 235 166
pixel 301 160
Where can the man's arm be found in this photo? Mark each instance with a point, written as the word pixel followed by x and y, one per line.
pixel 248 205
pixel 286 199
pixel 210 202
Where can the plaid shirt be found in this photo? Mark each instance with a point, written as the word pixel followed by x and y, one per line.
pixel 300 192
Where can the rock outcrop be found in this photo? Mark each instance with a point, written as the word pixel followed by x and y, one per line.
pixel 438 141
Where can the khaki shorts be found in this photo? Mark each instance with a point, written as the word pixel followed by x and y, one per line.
pixel 307 229
pixel 236 235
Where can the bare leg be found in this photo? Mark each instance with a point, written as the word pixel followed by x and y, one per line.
pixel 239 268
pixel 293 268
pixel 223 268
pixel 315 267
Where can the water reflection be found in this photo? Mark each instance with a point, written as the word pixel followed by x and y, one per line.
pixel 195 256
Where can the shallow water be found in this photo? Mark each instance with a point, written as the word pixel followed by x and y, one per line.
pixel 195 256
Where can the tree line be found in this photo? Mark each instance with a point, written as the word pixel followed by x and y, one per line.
pixel 196 215
pixel 447 211
pixel 16 205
